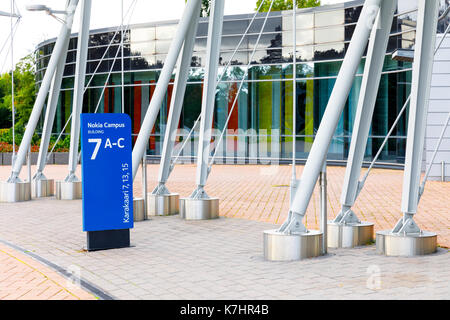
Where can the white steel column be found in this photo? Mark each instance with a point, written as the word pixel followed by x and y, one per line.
pixel 407 239
pixel 50 112
pixel 294 181
pixel 43 91
pixel 161 201
pixel 330 118
pixel 199 206
pixel 163 81
pixel 209 95
pixel 364 111
pixel 420 92
pixel 80 79
pixel 176 104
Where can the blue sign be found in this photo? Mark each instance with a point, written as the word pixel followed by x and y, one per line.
pixel 107 181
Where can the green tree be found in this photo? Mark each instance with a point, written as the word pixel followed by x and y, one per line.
pixel 25 88
pixel 24 97
pixel 205 10
pixel 286 4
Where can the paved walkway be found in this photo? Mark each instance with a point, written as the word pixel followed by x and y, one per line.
pixel 22 278
pixel 222 259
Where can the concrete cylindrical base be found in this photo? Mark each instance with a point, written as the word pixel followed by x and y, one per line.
pixel 163 205
pixel 199 209
pixel 68 190
pixel 15 192
pixel 288 247
pixel 138 209
pixel 43 188
pixel 391 244
pixel 349 235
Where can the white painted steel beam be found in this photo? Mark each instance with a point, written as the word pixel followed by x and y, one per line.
pixel 209 91
pixel 66 28
pixel 331 117
pixel 51 111
pixel 364 111
pixel 161 87
pixel 80 79
pixel 420 92
pixel 176 103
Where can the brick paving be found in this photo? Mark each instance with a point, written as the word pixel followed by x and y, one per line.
pixel 22 278
pixel 222 259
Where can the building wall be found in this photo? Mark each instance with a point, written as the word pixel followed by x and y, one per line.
pixel 261 122
pixel 438 111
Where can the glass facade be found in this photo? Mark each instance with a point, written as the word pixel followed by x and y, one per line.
pixel 260 125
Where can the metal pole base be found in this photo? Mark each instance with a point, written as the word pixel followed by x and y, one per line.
pixel 43 188
pixel 349 235
pixel 199 209
pixel 15 192
pixel 138 209
pixel 68 190
pixel 163 205
pixel 288 247
pixel 392 244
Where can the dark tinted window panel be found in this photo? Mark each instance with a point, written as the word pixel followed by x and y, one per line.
pixel 139 63
pixel 267 56
pixel 48 49
pixel 352 14
pixel 103 39
pixel 96 53
pixel 71 56
pixel 349 32
pixel 231 42
pixel 69 70
pixel 266 41
pixel 327 52
pixel 234 27
pixel 239 58
pixel 103 67
pixel 272 25
pixel 202 29
pixel 73 43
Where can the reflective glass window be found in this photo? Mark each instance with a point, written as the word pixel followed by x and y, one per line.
pixel 202 29
pixel 239 58
pixel 273 40
pixel 198 60
pixel 332 34
pixel 162 46
pixel 303 21
pixel 302 36
pixel 329 18
pixel 143 48
pixel 166 32
pixel 234 27
pixel 272 25
pixel 200 44
pixel 329 51
pixel 143 34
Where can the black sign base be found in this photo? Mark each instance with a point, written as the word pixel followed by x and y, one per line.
pixel 108 239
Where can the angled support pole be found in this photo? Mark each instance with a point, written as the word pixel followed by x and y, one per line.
pixel 43 187
pixel 14 189
pixel 346 230
pixel 140 146
pixel 406 239
pixel 161 201
pixel 292 241
pixel 70 188
pixel 199 205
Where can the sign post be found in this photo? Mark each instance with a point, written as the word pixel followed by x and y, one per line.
pixel 107 180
